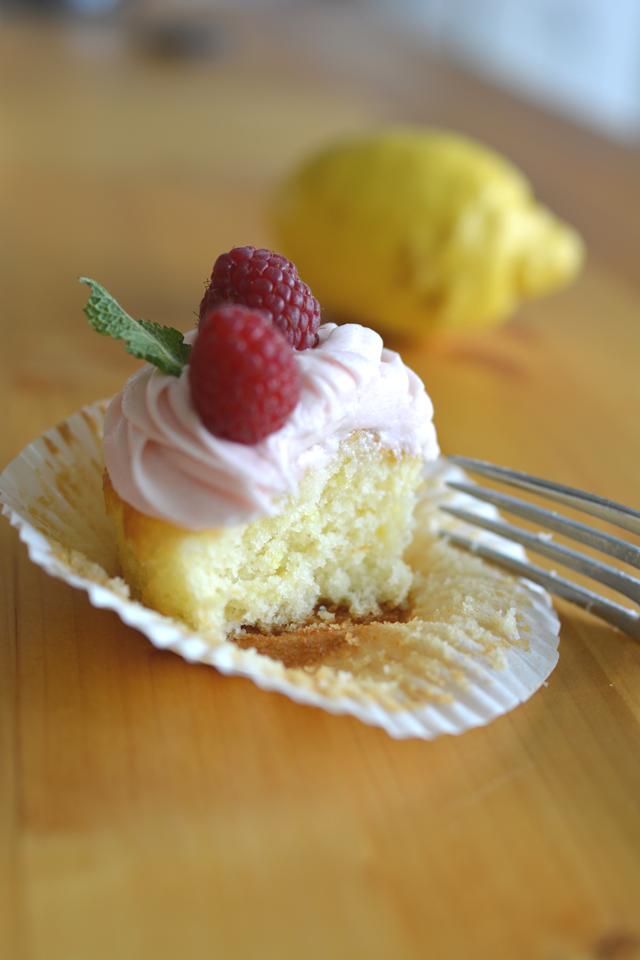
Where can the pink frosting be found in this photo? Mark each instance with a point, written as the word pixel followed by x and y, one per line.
pixel 166 464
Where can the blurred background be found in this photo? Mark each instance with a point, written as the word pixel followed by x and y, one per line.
pixel 578 57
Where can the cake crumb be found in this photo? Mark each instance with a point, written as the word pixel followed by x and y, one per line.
pixel 327 615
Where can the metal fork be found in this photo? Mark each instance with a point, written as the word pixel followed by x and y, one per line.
pixel 622 617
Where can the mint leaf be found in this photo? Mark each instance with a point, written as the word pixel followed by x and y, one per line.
pixel 162 346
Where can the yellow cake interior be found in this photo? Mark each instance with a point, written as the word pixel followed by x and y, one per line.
pixel 338 542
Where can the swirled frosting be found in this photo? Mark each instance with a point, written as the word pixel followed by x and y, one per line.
pixel 166 464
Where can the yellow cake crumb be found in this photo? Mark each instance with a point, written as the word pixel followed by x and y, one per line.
pixel 339 542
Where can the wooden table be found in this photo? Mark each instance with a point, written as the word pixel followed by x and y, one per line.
pixel 153 809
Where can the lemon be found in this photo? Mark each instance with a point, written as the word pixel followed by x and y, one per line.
pixel 420 230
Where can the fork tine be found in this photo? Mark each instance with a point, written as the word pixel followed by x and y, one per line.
pixel 626 620
pixel 614 546
pixel 590 503
pixel 602 572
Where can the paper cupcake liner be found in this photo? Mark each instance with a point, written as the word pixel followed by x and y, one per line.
pixel 52 492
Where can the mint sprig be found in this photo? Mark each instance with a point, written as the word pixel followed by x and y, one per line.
pixel 162 346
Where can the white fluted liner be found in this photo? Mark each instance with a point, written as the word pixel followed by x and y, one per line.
pixel 52 492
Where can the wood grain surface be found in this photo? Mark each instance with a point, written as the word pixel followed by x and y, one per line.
pixel 155 809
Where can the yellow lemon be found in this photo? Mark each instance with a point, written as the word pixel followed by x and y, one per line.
pixel 418 230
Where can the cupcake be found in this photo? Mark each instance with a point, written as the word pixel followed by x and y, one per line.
pixel 272 480
pixel 272 489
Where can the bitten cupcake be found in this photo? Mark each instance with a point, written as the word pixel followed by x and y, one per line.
pixel 274 487
pixel 263 471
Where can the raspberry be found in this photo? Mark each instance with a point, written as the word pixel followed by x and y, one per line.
pixel 243 374
pixel 266 281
